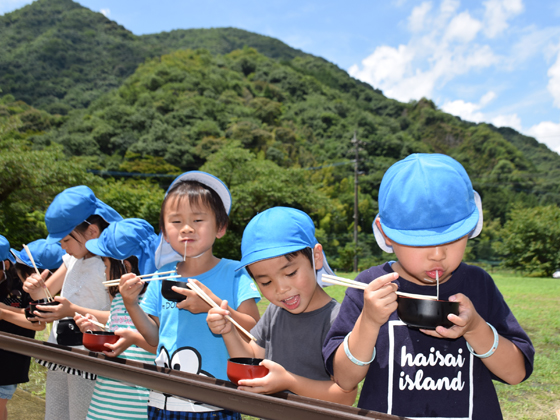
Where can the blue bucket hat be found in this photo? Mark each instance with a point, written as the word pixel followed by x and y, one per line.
pixel 72 207
pixel 5 250
pixel 125 238
pixel 46 256
pixel 427 200
pixel 165 254
pixel 279 231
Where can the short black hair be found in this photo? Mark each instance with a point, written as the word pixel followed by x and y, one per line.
pixel 197 193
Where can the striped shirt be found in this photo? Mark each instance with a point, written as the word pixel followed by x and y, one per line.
pixel 114 399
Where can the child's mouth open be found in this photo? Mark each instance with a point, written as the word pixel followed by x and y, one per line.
pixel 292 302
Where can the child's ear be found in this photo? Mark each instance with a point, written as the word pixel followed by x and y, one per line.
pixel 92 232
pixel 318 256
pixel 128 266
pixel 221 232
pixel 378 224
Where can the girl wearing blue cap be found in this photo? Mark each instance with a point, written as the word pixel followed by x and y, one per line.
pixel 125 247
pixel 13 300
pixel 74 217
pixel 427 212
pixel 194 213
pixel 282 255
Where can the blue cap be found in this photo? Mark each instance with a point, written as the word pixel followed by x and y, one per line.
pixel 279 231
pixel 165 254
pixel 125 238
pixel 5 250
pixel 46 256
pixel 427 200
pixel 72 207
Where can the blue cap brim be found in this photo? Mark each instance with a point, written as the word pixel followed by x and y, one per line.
pixel 266 254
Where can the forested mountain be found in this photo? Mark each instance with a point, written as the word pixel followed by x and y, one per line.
pixel 275 123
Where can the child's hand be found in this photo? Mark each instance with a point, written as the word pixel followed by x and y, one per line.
pixel 84 324
pixel 216 320
pixel 126 339
pixel 467 320
pixel 380 299
pixel 35 284
pixel 193 303
pixel 130 287
pixel 278 379
pixel 50 313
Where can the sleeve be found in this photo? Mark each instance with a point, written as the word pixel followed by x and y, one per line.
pixel 502 318
pixel 151 303
pixel 246 288
pixel 261 331
pixel 350 310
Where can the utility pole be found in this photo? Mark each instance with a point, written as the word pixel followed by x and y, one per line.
pixel 357 149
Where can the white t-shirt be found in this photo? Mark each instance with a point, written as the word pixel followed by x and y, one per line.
pixel 83 286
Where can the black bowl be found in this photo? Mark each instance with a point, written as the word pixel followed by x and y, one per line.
pixel 169 294
pixel 33 307
pixel 426 313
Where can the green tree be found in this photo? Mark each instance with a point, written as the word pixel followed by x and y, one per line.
pixel 531 240
pixel 257 184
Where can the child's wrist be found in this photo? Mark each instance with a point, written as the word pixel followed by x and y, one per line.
pixel 477 326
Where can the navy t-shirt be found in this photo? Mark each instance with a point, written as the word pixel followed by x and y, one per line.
pixel 423 377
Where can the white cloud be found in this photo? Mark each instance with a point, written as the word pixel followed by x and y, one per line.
pixel 442 47
pixel 554 81
pixel 105 12
pixel 511 120
pixel 469 111
pixel 497 14
pixel 463 28
pixel 546 132
pixel 417 18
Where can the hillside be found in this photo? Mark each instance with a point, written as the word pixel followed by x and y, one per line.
pixel 82 54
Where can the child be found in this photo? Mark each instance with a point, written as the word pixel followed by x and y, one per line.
pixel 124 247
pixel 427 211
pixel 194 213
pixel 281 254
pixel 74 217
pixel 13 301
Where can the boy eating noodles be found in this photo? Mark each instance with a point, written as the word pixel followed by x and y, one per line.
pixel 427 212
pixel 282 255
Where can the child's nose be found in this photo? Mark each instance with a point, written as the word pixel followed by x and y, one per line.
pixel 187 228
pixel 437 253
pixel 282 286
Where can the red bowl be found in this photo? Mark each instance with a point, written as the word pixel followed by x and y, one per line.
pixel 245 368
pixel 95 340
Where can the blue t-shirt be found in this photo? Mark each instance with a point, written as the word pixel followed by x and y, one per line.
pixel 185 340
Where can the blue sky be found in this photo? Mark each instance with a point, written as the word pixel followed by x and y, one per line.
pixel 492 61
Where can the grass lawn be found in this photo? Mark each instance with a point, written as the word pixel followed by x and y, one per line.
pixel 535 303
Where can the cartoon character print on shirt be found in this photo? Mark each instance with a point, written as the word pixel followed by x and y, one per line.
pixel 184 359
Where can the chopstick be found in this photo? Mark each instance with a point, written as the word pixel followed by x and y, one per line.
pixel 341 281
pixel 116 282
pixel 154 274
pixel 213 304
pixel 47 291
pixel 99 324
